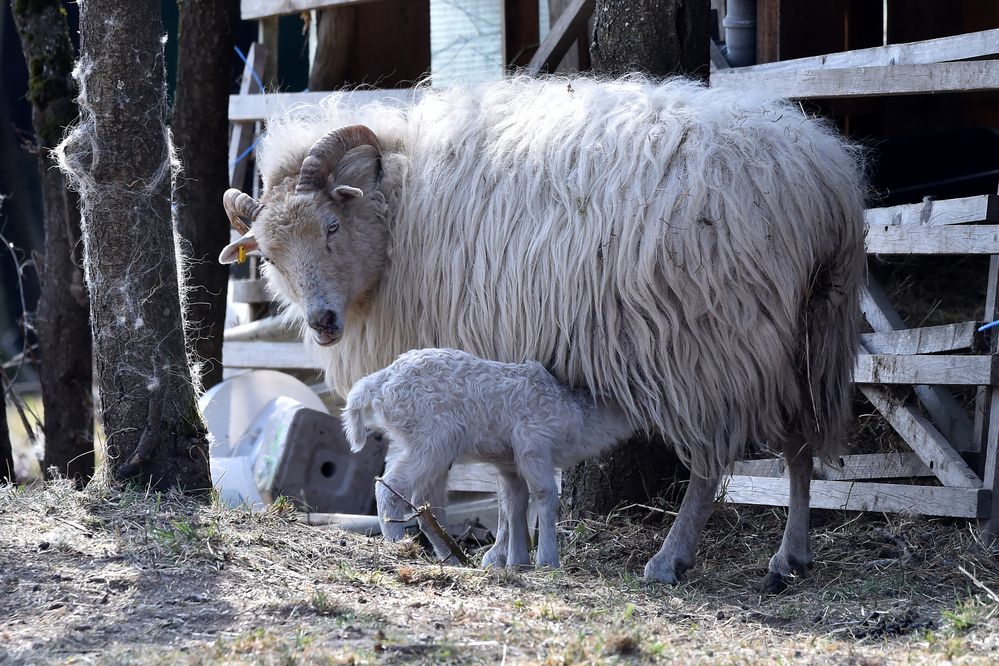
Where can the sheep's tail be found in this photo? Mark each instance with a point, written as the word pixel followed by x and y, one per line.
pixel 359 400
pixel 832 337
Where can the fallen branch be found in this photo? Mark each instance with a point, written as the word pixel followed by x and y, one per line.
pixel 979 584
pixel 429 519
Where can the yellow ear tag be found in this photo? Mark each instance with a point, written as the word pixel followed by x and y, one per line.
pixel 241 257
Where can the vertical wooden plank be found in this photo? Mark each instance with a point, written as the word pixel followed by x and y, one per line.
pixel 243 133
pixel 768 30
pixel 267 35
pixel 987 412
pixel 520 32
pixel 391 44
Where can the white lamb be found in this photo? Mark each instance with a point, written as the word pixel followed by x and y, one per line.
pixel 442 405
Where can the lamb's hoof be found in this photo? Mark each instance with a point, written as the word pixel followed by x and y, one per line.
pixel 663 569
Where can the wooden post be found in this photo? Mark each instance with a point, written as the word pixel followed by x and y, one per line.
pixel 520 32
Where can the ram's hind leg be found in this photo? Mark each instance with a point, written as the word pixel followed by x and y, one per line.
pixel 677 553
pixel 795 554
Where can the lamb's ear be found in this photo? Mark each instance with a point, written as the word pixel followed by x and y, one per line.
pixel 236 251
pixel 345 194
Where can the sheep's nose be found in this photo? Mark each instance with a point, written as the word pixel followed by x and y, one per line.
pixel 326 328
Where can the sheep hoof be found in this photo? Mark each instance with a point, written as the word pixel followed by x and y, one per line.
pixel 773 583
pixel 494 560
pixel 658 570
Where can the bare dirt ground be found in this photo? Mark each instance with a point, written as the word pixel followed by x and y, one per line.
pixel 105 576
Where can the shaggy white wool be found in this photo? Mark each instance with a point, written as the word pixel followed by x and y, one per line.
pixel 694 253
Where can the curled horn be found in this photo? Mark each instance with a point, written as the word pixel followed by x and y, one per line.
pixel 326 152
pixel 240 205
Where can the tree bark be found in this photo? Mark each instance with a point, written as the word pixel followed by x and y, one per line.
pixel 120 159
pixel 659 38
pixel 6 452
pixel 200 130
pixel 63 322
pixel 335 29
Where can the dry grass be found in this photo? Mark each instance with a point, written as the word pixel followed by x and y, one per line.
pixel 125 577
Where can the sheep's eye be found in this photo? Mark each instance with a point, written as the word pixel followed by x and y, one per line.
pixel 332 227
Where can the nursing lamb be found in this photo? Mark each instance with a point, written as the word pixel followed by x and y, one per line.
pixel 443 405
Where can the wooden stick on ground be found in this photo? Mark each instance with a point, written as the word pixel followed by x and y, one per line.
pixel 427 515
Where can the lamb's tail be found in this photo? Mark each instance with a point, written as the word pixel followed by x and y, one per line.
pixel 359 400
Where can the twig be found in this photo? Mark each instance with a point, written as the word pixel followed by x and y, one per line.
pixel 7 386
pixel 979 584
pixel 427 515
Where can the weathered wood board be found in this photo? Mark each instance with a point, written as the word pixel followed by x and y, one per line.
pixel 958 47
pixel 924 340
pixel 953 77
pixel 982 208
pixel 862 496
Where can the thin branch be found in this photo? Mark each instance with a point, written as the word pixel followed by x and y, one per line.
pixel 979 584
pixel 430 520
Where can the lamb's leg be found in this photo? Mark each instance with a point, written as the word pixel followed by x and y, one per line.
pixel 518 552
pixel 496 556
pixel 535 466
pixel 795 554
pixel 677 552
pixel 392 510
pixel 427 468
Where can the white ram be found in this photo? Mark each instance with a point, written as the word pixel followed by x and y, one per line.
pixel 694 254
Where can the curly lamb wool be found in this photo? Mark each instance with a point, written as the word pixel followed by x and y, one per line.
pixel 694 253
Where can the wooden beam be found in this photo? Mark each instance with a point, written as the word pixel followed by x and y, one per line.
pixel 250 10
pixel 925 440
pixel 912 239
pixel 560 37
pixel 959 47
pixel 981 208
pixel 948 415
pixel 925 340
pixel 867 81
pixel 945 370
pixel 272 355
pixel 261 107
pixel 862 496
pixel 846 468
pixel 242 132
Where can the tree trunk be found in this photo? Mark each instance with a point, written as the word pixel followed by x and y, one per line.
pixel 6 453
pixel 63 326
pixel 200 130
pixel 335 29
pixel 120 159
pixel 659 38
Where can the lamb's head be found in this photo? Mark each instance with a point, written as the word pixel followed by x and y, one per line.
pixel 324 235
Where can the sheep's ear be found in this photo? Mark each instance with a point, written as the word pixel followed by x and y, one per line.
pixel 345 194
pixel 359 169
pixel 236 251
